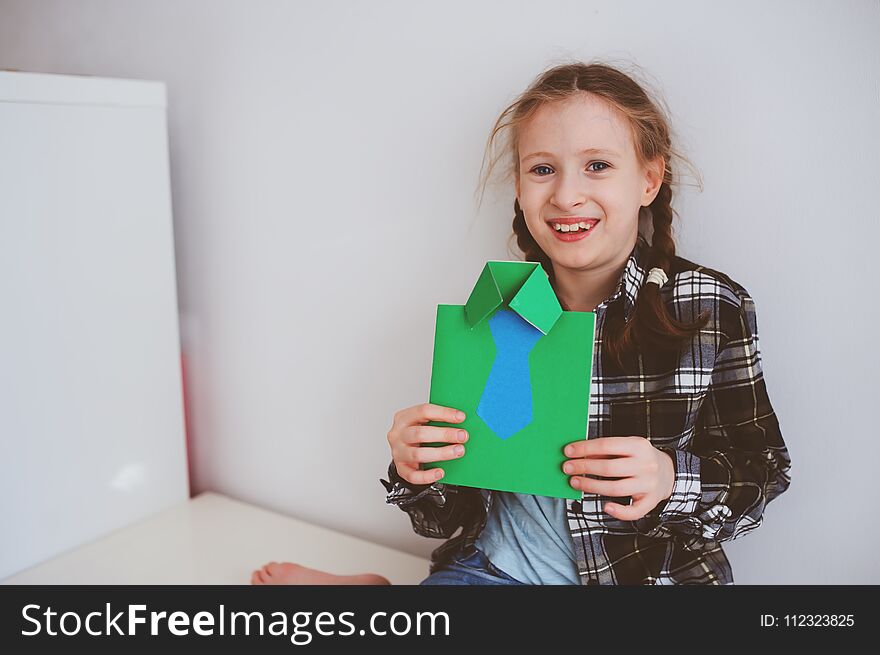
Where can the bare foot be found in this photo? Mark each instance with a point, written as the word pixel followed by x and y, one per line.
pixel 291 573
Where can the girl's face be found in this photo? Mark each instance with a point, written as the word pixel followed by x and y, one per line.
pixel 605 188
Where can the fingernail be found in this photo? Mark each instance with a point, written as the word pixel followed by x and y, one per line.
pixel 569 450
pixel 567 467
pixel 438 474
pixel 460 416
pixel 459 451
pixel 462 435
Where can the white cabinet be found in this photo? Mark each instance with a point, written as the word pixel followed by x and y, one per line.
pixel 91 408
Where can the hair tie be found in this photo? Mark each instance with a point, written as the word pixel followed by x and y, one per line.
pixel 657 275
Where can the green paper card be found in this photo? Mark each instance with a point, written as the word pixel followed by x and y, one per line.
pixel 519 367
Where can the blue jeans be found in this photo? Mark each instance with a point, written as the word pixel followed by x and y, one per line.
pixel 473 569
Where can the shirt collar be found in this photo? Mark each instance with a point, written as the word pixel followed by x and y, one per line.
pixel 632 278
pixel 522 286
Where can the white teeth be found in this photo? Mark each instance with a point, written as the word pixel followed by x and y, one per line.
pixel 564 227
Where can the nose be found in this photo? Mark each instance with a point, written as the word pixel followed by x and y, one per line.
pixel 569 193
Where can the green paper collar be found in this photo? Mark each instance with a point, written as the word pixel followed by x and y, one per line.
pixel 522 286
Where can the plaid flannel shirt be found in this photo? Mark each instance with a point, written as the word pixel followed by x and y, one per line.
pixel 706 406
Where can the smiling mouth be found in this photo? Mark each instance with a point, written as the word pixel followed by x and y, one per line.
pixel 573 225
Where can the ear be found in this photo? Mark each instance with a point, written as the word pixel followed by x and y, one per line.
pixel 654 179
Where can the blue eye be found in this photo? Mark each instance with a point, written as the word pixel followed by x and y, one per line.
pixel 533 170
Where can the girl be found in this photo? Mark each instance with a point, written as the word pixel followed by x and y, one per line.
pixel 680 420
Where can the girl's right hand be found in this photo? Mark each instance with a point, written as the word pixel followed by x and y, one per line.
pixel 408 431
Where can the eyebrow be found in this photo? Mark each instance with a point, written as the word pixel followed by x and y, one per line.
pixel 586 151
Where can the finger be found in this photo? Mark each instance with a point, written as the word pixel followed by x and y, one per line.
pixel 425 412
pixel 625 487
pixel 255 579
pixel 629 512
pixel 614 467
pixel 580 448
pixel 429 433
pixel 432 412
pixel 575 448
pixel 435 453
pixel 409 425
pixel 606 446
pixel 414 475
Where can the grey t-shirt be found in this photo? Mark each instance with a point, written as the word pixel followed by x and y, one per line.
pixel 527 537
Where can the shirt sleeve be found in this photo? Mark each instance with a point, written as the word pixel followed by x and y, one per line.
pixel 737 461
pixel 435 510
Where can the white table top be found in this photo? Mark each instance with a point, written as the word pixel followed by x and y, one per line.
pixel 213 539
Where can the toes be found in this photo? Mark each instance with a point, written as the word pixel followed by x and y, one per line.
pixel 261 577
pixel 276 568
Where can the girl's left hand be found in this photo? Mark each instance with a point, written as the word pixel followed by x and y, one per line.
pixel 648 474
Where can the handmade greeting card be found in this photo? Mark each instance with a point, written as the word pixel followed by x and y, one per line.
pixel 519 367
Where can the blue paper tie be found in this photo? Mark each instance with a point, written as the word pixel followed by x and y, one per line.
pixel 506 402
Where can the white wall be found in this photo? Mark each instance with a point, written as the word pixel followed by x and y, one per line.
pixel 302 341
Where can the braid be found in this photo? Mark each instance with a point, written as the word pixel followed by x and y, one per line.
pixel 651 326
pixel 662 243
pixel 527 244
